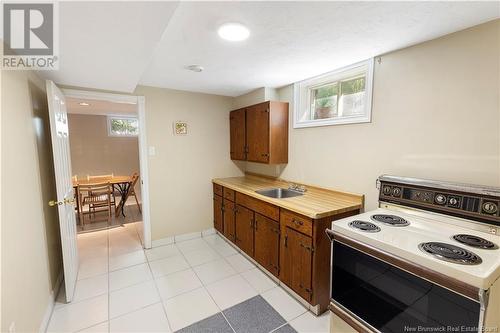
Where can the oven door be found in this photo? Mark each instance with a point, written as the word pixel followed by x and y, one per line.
pixel 388 299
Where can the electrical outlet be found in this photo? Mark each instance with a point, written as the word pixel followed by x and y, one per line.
pixel 12 327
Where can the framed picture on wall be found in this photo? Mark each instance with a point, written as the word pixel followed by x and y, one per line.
pixel 180 128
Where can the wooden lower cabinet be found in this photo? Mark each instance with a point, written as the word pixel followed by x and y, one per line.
pixel 218 218
pixel 267 242
pixel 296 262
pixel 229 217
pixel 244 225
pixel 290 246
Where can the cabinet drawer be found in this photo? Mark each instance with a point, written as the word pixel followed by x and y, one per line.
pixel 258 206
pixel 297 222
pixel 218 189
pixel 228 194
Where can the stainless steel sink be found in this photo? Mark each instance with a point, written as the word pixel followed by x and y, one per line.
pixel 279 193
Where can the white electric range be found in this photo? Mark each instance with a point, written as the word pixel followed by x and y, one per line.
pixel 427 260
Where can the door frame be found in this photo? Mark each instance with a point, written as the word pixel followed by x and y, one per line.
pixel 140 101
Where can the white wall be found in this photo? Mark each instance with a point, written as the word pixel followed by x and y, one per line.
pixel 94 152
pixel 183 167
pixel 31 250
pixel 435 115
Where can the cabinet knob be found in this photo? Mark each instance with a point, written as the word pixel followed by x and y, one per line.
pixel 297 222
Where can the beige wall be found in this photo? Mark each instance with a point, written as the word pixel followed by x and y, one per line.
pixel 93 152
pixel 435 115
pixel 181 171
pixel 31 255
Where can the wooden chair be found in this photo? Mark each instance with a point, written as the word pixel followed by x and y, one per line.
pixel 135 178
pixel 104 179
pixel 131 191
pixel 97 197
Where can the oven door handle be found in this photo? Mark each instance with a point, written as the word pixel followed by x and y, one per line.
pixel 330 234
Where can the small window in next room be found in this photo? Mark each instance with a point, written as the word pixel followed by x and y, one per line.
pixel 123 126
pixel 340 97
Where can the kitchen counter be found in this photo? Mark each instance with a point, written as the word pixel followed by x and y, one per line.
pixel 316 203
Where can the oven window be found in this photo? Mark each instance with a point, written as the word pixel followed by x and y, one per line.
pixel 392 300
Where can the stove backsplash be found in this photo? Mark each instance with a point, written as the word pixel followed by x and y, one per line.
pixel 478 203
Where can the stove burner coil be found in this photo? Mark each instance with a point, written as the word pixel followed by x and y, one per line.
pixel 392 220
pixel 475 241
pixel 450 253
pixel 364 226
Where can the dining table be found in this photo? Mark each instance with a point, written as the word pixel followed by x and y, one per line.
pixel 120 183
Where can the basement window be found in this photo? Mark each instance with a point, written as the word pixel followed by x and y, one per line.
pixel 123 126
pixel 343 96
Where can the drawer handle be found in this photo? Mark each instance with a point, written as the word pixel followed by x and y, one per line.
pixel 297 222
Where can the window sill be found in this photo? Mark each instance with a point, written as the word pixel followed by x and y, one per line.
pixel 332 122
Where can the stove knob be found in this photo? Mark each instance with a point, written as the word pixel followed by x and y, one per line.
pixel 396 191
pixel 490 207
pixel 453 201
pixel 440 199
pixel 387 190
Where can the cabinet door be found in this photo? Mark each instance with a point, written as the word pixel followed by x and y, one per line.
pixel 237 126
pixel 218 218
pixel 229 212
pixel 296 265
pixel 244 229
pixel 267 240
pixel 258 133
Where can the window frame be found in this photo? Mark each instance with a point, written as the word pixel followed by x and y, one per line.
pixel 120 117
pixel 303 90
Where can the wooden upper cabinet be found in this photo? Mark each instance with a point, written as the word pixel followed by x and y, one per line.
pixel 258 133
pixel 265 129
pixel 237 126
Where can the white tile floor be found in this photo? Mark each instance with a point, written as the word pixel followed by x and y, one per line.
pixel 122 288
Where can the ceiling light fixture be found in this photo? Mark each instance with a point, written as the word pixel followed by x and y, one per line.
pixel 84 104
pixel 195 68
pixel 233 32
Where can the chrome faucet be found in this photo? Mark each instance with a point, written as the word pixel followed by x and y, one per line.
pixel 297 187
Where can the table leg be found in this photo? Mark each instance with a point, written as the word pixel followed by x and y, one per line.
pixel 123 189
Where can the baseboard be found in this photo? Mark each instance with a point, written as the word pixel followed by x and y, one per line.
pixel 208 232
pixel 182 237
pixel 51 303
pixel 188 236
pixel 162 241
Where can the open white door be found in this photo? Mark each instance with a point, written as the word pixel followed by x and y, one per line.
pixel 64 186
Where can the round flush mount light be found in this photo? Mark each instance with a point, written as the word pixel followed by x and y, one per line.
pixel 195 68
pixel 83 104
pixel 233 32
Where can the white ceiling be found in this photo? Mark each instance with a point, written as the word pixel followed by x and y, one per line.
pixel 128 43
pixel 100 107
pixel 108 45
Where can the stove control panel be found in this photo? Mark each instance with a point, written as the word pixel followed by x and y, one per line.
pixel 466 205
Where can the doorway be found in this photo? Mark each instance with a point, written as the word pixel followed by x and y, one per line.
pixel 108 145
pixel 104 149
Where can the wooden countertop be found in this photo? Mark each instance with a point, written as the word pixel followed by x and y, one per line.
pixel 315 203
